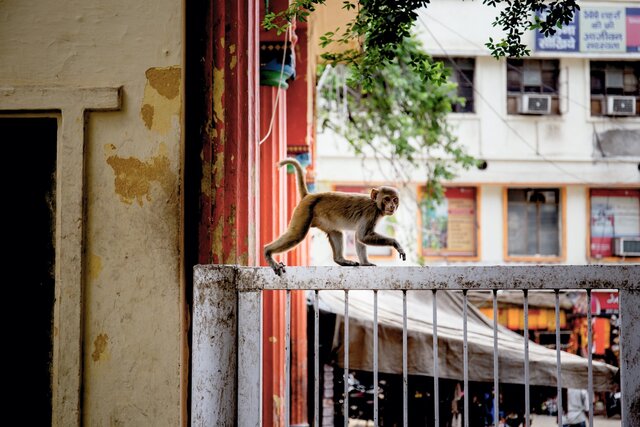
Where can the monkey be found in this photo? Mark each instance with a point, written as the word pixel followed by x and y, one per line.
pixel 333 212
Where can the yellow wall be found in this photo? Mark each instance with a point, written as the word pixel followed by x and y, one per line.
pixel 131 269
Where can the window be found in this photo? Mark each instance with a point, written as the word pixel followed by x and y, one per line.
pixel 449 229
pixel 614 80
pixel 386 226
pixel 533 222
pixel 614 214
pixel 531 82
pixel 462 74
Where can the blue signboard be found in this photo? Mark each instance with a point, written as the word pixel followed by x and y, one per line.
pixel 566 39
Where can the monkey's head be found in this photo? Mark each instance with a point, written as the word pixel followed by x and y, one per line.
pixel 386 199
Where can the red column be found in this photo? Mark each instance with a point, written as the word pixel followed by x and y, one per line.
pixel 298 139
pixel 272 225
pixel 279 196
pixel 228 201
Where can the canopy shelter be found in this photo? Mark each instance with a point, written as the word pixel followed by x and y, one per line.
pixel 511 298
pixel 542 361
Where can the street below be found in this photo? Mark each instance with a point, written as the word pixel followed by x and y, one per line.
pixel 537 421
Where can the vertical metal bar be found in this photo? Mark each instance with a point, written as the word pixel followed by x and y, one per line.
pixel 465 352
pixel 346 358
pixel 629 351
pixel 496 385
pixel 405 382
pixel 316 361
pixel 590 357
pixel 375 358
pixel 558 357
pixel 287 360
pixel 250 359
pixel 527 401
pixel 436 397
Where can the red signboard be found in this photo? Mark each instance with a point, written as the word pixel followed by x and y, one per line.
pixel 604 302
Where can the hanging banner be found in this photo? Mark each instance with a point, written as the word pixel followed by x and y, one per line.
pixel 449 228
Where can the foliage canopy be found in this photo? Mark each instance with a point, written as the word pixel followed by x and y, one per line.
pixel 398 97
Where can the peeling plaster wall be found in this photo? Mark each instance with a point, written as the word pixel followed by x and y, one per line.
pixel 132 278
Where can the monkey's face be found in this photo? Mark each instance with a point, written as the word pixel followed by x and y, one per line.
pixel 387 200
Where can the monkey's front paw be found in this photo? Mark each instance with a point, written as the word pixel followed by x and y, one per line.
pixel 368 264
pixel 402 255
pixel 278 268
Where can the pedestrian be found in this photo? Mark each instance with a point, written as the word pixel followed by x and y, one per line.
pixel 477 416
pixel 577 408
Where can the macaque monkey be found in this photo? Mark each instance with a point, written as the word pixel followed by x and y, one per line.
pixel 333 212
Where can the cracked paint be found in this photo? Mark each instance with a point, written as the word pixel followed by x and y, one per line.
pixel 165 80
pixel 218 169
pixel 217 240
pixel 134 177
pixel 277 405
pixel 161 104
pixel 100 348
pixel 231 219
pixel 218 92
pixel 205 182
pixel 234 57
pixel 94 266
pixel 147 115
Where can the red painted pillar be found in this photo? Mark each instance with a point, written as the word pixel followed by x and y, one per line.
pixel 245 200
pixel 290 135
pixel 299 114
pixel 272 224
pixel 228 201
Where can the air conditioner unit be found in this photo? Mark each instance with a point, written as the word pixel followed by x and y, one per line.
pixel 626 246
pixel 535 104
pixel 621 105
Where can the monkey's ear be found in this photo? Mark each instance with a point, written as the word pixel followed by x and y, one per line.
pixel 374 193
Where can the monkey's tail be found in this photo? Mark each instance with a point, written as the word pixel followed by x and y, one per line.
pixel 302 185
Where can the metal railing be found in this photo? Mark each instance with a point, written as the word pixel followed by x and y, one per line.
pixel 227 329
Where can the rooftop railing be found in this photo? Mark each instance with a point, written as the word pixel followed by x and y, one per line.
pixel 227 329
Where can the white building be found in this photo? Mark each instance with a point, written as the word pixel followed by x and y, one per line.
pixel 559 132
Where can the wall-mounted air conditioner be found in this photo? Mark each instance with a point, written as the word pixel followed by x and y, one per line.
pixel 626 246
pixel 621 105
pixel 535 104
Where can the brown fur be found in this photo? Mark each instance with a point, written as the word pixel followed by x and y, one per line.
pixel 333 212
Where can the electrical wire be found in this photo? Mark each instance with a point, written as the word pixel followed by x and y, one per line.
pixel 497 113
pixel 587 108
pixel 475 44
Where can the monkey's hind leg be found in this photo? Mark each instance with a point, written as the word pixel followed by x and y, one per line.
pixel 336 240
pixel 298 228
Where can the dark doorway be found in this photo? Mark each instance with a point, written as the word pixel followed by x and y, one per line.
pixel 29 148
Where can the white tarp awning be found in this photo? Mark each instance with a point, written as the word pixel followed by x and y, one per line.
pixel 542 361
